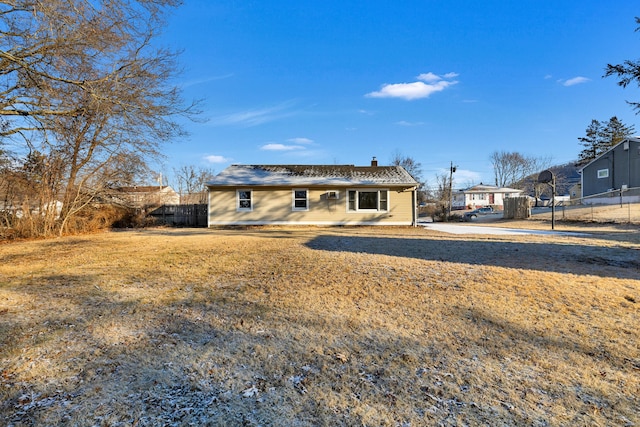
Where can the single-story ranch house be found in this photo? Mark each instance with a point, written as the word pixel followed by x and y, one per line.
pixel 483 195
pixel 312 195
pixel 613 176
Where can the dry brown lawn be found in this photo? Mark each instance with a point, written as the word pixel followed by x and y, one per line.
pixel 627 213
pixel 319 326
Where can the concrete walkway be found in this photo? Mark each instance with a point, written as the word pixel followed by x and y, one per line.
pixel 454 228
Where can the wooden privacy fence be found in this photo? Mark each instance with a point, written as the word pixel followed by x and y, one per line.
pixel 182 215
pixel 516 208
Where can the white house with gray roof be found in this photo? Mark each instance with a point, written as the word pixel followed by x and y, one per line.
pixel 312 195
pixel 482 195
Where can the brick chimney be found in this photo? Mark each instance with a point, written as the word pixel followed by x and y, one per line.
pixel 374 162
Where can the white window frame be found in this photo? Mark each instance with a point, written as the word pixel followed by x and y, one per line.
pixel 603 173
pixel 238 199
pixel 367 190
pixel 294 198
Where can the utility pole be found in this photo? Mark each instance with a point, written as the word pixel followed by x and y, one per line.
pixel 452 169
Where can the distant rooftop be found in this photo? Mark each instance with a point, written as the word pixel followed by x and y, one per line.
pixel 143 188
pixel 483 188
pixel 264 175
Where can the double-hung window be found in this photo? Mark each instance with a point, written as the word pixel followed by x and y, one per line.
pixel 300 200
pixel 368 200
pixel 244 200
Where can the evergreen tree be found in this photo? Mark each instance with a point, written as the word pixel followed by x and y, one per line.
pixel 614 132
pixel 627 72
pixel 591 142
pixel 602 136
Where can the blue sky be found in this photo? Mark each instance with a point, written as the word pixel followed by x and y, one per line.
pixel 338 82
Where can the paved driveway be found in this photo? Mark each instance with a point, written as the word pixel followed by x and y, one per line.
pixel 456 228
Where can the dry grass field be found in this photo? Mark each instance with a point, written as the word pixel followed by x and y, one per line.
pixel 627 213
pixel 319 326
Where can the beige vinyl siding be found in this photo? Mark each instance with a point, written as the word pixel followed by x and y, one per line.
pixel 274 205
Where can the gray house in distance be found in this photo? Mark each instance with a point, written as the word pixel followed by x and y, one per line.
pixel 614 176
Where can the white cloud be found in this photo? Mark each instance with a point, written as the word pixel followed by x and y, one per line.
pixel 300 140
pixel 281 147
pixel 429 77
pixel 255 117
pixel 406 123
pixel 575 81
pixel 216 159
pixel 205 80
pixel 428 83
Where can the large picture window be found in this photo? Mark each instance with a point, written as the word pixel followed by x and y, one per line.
pixel 300 200
pixel 244 200
pixel 368 200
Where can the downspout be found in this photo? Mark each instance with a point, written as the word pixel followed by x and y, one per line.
pixel 581 171
pixel 415 206
pixel 613 169
pixel 208 207
pixel 629 165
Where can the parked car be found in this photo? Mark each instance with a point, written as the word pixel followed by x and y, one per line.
pixel 477 212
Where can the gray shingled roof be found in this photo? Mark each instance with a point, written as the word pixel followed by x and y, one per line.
pixel 297 175
pixel 480 188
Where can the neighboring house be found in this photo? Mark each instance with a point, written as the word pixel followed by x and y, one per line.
pixel 52 208
pixel 483 195
pixel 312 195
pixel 567 179
pixel 575 192
pixel 198 198
pixel 147 196
pixel 613 176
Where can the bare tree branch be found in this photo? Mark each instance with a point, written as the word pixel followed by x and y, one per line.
pixel 83 84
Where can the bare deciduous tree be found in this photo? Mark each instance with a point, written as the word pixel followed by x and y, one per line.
pixel 512 168
pixel 442 194
pixel 415 170
pixel 191 180
pixel 408 163
pixel 83 85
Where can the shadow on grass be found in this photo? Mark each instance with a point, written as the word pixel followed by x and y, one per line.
pixel 506 336
pixel 221 357
pixel 615 231
pixel 245 230
pixel 546 257
pixel 181 369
